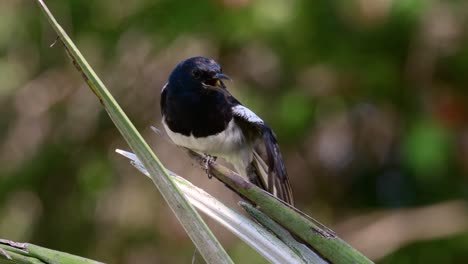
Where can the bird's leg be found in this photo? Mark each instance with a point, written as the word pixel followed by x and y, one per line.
pixel 208 161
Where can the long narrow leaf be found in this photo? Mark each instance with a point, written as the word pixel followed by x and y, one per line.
pixel 323 240
pixel 201 235
pixel 268 245
pixel 25 253
pixel 302 250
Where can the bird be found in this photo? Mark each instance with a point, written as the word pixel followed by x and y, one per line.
pixel 200 114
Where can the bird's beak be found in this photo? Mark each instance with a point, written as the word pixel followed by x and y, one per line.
pixel 216 81
pixel 221 76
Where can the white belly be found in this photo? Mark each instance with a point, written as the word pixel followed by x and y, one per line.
pixel 229 144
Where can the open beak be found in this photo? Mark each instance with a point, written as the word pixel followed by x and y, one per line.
pixel 216 83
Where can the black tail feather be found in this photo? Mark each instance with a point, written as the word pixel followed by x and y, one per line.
pixel 278 182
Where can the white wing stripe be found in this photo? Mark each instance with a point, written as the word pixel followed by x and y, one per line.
pixel 246 113
pixel 164 87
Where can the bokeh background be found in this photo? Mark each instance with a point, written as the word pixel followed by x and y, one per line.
pixel 368 99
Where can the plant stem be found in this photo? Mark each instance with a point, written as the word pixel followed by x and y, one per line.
pixel 323 240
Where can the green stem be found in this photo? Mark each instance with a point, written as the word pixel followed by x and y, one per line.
pixel 24 253
pixel 307 255
pixel 323 240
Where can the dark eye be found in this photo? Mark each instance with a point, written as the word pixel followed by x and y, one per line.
pixel 196 74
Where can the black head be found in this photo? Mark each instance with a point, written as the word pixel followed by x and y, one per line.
pixel 198 73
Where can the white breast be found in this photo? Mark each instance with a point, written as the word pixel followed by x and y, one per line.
pixel 229 144
pixel 227 141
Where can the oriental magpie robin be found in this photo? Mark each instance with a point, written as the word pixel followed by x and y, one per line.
pixel 201 115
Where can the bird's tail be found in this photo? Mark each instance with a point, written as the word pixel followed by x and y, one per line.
pixel 269 169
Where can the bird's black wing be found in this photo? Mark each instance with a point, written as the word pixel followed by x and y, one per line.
pixel 267 165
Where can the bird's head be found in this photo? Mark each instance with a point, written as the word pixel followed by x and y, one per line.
pixel 198 73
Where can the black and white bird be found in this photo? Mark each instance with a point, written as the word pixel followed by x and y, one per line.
pixel 201 115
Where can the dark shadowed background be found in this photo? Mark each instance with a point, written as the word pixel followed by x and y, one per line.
pixel 368 99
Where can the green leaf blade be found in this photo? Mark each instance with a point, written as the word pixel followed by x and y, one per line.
pixel 198 231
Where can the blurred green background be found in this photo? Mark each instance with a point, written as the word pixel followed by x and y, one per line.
pixel 368 99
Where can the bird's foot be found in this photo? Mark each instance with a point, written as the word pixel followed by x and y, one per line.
pixel 208 161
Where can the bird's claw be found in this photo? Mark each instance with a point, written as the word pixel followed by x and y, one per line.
pixel 208 161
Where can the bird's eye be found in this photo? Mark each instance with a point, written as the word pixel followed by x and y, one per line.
pixel 196 74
